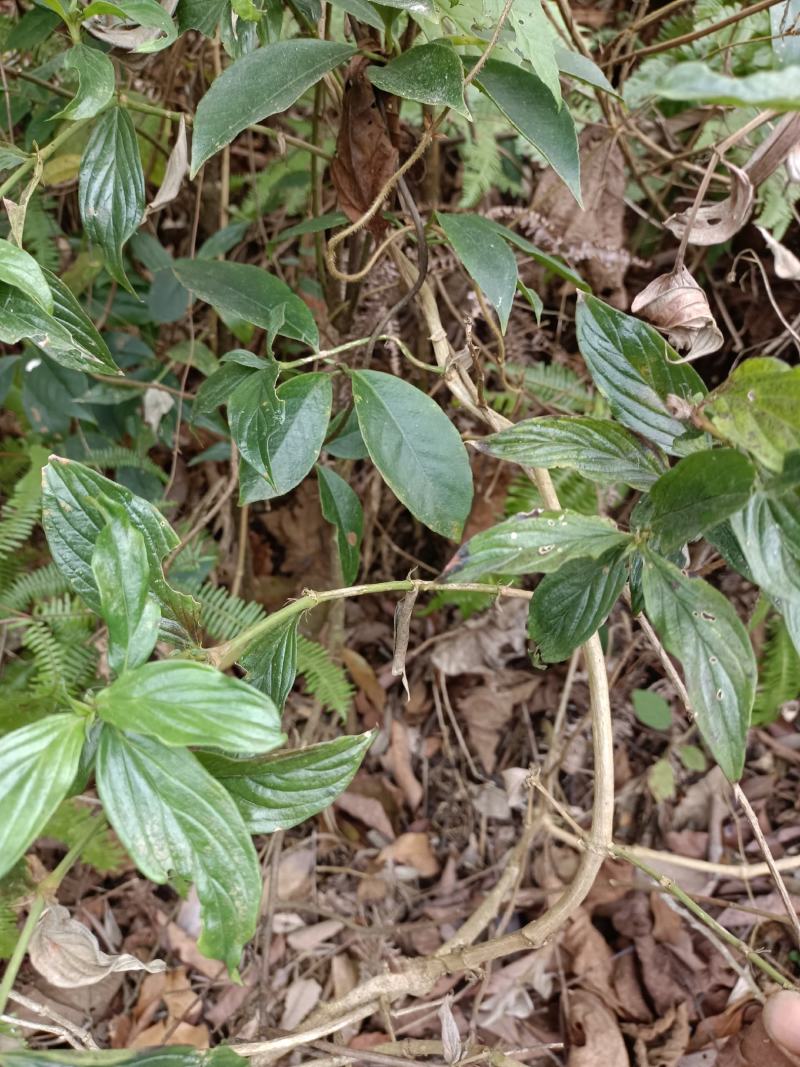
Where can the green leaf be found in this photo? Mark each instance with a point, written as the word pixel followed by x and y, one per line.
pixel 552 263
pixel 361 10
pixel 416 448
pixel 174 1056
pixel 539 542
pixel 251 294
pixel 263 83
pixel 535 42
pixel 778 90
pixel 255 412
pixel 698 493
pixel 571 604
pixel 37 766
pixel 693 758
pixel 76 505
pixel 631 366
pixel 271 662
pixel 598 449
pixel 150 14
pixel 767 531
pixel 175 820
pixel 758 408
pixel 96 82
pixel 661 781
pixel 697 624
pixel 21 271
pixel 651 709
pixel 294 445
pixel 216 389
pixel 281 791
pixel 430 73
pixel 486 257
pixel 341 506
pixel 532 298
pixel 121 570
pixel 184 703
pixel 111 193
pixel 530 107
pixel 584 69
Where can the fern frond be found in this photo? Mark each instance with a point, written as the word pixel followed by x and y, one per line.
pixel 42 231
pixel 69 824
pixel 115 456
pixel 467 603
pixel 13 888
pixel 325 680
pixel 778 675
pixel 38 585
pixel 574 492
pixel 21 512
pixel 56 637
pixel 224 616
pixel 554 385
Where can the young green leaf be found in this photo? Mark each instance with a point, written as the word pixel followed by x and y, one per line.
pixel 200 835
pixel 76 504
pixel 172 1056
pixel 698 493
pixel 21 271
pixel 486 257
pixel 281 791
pixel 767 531
pixel 778 90
pixel 184 703
pixel 121 570
pixel 531 108
pixel 111 193
pixel 271 662
pixel 37 766
pixel 540 542
pixel 631 365
pixel 250 294
pixel 584 69
pixel 430 73
pixel 661 781
pixel 263 83
pixel 599 449
pixel 416 448
pixel 341 506
pixel 693 758
pixel 295 444
pixel 651 709
pixel 255 412
pixel 697 624
pixel 96 82
pixel 758 408
pixel 572 603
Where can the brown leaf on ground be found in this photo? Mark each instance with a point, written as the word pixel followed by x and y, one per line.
pixel 485 643
pixel 756 1044
pixel 183 1034
pixel 663 1042
pixel 185 948
pixel 592 956
pixel 364 677
pixel 308 937
pixel 399 760
pixel 595 1036
pixel 365 156
pixel 412 850
pixel 368 809
pixel 302 997
pixel 487 711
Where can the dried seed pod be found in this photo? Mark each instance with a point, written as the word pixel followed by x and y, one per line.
pixel 676 304
pixel 787 265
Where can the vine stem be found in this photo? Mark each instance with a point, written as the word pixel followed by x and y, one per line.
pixel 43 894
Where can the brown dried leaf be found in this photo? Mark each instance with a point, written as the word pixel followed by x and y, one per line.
pixel 308 937
pixel 787 265
pixel 399 756
pixel 185 947
pixel 183 1034
pixel 414 850
pixel 485 643
pixel 365 156
pixel 717 222
pixel 68 955
pixel 676 304
pixel 176 170
pixel 594 1033
pixel 368 809
pixel 487 711
pixel 302 997
pixel 756 1045
pixel 365 678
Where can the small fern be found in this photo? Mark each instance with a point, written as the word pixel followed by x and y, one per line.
pixel 467 603
pixel 554 385
pixel 41 231
pixel 224 616
pixel 69 824
pixel 779 673
pixel 115 457
pixel 574 492
pixel 21 512
pixel 13 888
pixel 37 585
pixel 325 680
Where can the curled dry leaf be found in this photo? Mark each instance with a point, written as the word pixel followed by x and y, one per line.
pixel 676 304
pixel 67 953
pixel 176 169
pixel 451 1039
pixel 596 1040
pixel 118 35
pixel 787 265
pixel 717 222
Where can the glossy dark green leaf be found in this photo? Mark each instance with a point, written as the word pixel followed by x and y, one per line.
pixel 341 506
pixel 185 703
pixel 263 83
pixel 255 413
pixel 202 15
pixel 346 441
pixel 430 73
pixel 768 533
pixel 295 445
pixel 121 571
pixel 631 366
pixel 173 1056
pixel 21 271
pixel 95 72
pixel 539 542
pixel 758 408
pixel 37 765
pixel 529 106
pixel 599 449
pixel 698 625
pixel 218 386
pixel 199 834
pixel 283 790
pixel 778 90
pixel 573 602
pixel 486 256
pixel 271 661
pixel 251 294
pixel 76 505
pixel 698 493
pixel 361 10
pixel 111 193
pixel 417 450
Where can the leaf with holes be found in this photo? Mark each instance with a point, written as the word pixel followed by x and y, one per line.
pixel 341 506
pixel 271 661
pixel 697 624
